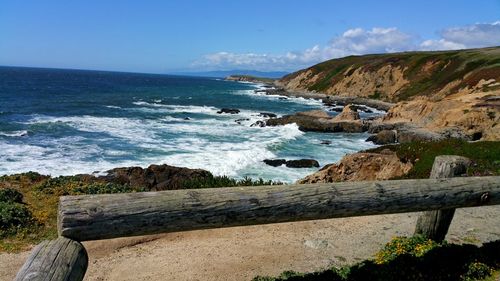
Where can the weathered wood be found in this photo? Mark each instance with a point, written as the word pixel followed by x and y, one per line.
pixel 92 217
pixel 435 224
pixel 59 259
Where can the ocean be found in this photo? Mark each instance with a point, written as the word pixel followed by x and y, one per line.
pixel 66 122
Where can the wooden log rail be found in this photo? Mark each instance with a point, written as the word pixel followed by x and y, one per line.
pixel 93 217
pixel 55 260
pixel 108 216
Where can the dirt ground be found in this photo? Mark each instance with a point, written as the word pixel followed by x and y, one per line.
pixel 241 253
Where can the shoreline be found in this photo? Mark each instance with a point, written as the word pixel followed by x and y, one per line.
pixel 276 89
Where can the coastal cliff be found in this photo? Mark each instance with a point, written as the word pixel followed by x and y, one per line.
pixel 401 76
pixel 436 91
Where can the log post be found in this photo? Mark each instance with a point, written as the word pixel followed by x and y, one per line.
pixel 434 224
pixel 93 217
pixel 61 259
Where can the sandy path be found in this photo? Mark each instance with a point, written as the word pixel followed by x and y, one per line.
pixel 240 253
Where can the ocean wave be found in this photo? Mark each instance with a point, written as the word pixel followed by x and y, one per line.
pixel 299 100
pixel 113 106
pixel 22 133
pixel 178 108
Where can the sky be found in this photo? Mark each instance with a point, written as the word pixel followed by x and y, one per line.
pixel 200 35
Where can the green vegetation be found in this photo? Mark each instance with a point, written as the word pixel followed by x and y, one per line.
pixel 73 185
pixel 14 215
pixel 28 202
pixel 485 156
pixel 415 259
pixel 224 181
pixel 427 72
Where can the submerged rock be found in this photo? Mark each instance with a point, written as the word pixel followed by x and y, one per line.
pixel 241 120
pixel 259 123
pixel 274 162
pixel 267 115
pixel 228 111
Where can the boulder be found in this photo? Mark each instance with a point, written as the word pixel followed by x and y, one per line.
pixel 411 135
pixel 275 162
pixel 302 163
pixel 349 113
pixel 228 111
pixel 267 115
pixel 259 123
pixel 384 137
pixel 362 166
pixel 155 177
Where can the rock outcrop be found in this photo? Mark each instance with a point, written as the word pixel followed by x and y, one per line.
pixel 321 121
pixel 470 115
pixel 155 177
pixel 362 166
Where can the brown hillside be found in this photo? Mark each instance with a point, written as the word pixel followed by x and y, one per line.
pixel 402 76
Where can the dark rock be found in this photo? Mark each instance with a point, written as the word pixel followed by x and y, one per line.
pixel 302 163
pixel 259 124
pixel 241 120
pixel 326 142
pixel 383 137
pixel 477 136
pixel 228 110
pixel 275 162
pixel 268 115
pixel 282 98
pixel 362 108
pixel 336 109
pixel 155 177
pixel 187 118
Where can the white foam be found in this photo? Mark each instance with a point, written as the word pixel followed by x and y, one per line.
pixel 22 133
pixel 113 106
pixel 300 100
pixel 179 108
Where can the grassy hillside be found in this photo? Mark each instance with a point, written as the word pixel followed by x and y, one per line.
pixel 423 73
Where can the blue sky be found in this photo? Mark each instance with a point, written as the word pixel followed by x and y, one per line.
pixel 167 36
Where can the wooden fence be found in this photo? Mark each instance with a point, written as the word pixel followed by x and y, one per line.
pixel 93 217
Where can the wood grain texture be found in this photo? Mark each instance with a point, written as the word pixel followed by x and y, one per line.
pixel 59 259
pixel 93 217
pixel 435 224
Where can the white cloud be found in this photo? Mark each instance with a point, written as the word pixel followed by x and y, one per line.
pixel 357 41
pixel 441 44
pixel 470 36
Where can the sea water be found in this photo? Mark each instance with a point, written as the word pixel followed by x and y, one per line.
pixel 66 122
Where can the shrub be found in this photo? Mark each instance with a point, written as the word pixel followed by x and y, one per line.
pixel 74 185
pixel 416 246
pixel 9 195
pixel 224 181
pixel 477 271
pixel 13 216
